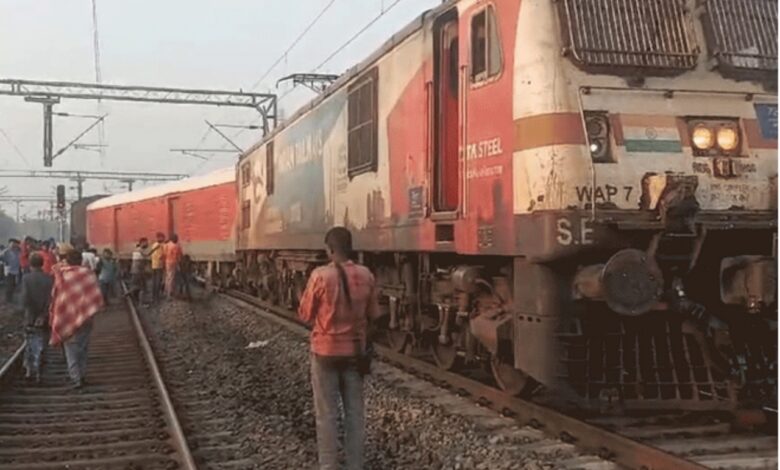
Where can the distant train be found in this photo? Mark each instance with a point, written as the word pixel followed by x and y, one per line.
pixel 78 220
pixel 571 193
pixel 201 210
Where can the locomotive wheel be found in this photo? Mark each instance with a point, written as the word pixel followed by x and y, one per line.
pixel 446 355
pixel 513 381
pixel 397 340
pixel 299 285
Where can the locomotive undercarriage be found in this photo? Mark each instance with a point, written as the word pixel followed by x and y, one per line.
pixel 657 335
pixel 683 319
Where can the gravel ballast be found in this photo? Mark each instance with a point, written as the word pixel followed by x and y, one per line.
pixel 11 329
pixel 265 395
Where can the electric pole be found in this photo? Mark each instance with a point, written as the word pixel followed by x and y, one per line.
pixel 98 78
pixel 48 103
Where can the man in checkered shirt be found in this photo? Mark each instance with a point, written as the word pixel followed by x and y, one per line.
pixel 76 298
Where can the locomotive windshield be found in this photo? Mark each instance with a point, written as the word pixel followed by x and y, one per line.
pixel 657 37
pixel 630 35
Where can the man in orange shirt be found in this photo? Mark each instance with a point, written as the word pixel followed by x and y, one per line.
pixel 24 258
pixel 47 252
pixel 173 255
pixel 339 302
pixel 156 256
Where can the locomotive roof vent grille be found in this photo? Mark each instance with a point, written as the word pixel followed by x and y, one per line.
pixel 743 33
pixel 626 36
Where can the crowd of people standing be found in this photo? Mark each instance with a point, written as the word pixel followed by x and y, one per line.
pixel 60 293
pixel 166 264
pixel 62 288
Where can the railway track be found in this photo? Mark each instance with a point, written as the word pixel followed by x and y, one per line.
pixel 674 441
pixel 122 418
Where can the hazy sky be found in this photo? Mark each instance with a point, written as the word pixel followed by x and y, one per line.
pixel 227 44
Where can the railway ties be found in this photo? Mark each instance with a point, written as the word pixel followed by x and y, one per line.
pixel 655 441
pixel 121 418
pixel 707 439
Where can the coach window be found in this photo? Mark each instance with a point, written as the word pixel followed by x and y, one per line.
pixel 246 208
pixel 246 177
pixel 485 46
pixel 362 125
pixel 269 168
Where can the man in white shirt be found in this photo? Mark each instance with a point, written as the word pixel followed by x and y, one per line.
pixel 89 258
pixel 138 269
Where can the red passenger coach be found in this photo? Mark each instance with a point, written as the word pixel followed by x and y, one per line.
pixel 200 210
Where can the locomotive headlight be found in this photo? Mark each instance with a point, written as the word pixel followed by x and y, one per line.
pixel 712 137
pixel 703 137
pixel 597 127
pixel 728 138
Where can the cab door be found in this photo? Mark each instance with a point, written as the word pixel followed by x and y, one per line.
pixel 173 215
pixel 116 232
pixel 446 115
pixel 488 30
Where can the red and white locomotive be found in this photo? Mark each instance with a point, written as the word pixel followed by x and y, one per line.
pixel 575 193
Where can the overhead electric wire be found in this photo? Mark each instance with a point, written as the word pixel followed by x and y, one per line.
pixel 330 57
pixel 200 142
pixel 16 149
pixel 203 137
pixel 270 69
pixel 294 43
pixel 357 35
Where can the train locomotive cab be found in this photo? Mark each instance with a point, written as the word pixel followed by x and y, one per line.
pixel 660 198
pixel 573 194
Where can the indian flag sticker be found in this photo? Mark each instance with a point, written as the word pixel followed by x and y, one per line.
pixel 650 134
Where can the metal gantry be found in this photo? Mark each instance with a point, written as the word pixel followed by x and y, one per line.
pixel 19 200
pixel 49 93
pixel 265 103
pixel 128 177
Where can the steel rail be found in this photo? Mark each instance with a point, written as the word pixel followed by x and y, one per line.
pixel 608 445
pixel 169 412
pixel 12 363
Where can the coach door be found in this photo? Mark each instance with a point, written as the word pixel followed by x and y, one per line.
pixel 173 215
pixel 115 235
pixel 446 114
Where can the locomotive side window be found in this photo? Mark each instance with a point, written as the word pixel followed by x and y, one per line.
pixel 246 208
pixel 452 73
pixel 362 125
pixel 485 46
pixel 246 174
pixel 269 168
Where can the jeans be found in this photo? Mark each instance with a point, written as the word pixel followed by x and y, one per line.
pixel 183 285
pixel 10 287
pixel 333 381
pixel 36 342
pixel 157 283
pixel 139 286
pixel 107 289
pixel 76 352
pixel 170 281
